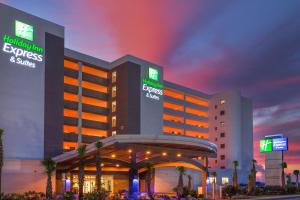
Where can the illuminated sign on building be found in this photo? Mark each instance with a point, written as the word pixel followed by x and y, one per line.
pixel 153 74
pixel 154 90
pixel 265 145
pixel 22 52
pixel 280 144
pixel 273 144
pixel 23 30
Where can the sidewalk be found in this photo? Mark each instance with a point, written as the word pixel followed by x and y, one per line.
pixel 295 196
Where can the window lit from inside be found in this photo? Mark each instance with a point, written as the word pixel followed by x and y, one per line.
pixel 222 101
pixel 114 77
pixel 114 91
pixel 114 106
pixel 225 180
pixel 114 121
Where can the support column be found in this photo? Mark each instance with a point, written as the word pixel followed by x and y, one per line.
pixel 59 184
pixel 79 127
pixel 133 178
pixel 204 175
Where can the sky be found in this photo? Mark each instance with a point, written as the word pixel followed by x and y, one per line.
pixel 250 45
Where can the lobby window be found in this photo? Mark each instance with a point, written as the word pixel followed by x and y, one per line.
pixel 222 157
pixel 114 133
pixel 222 134
pixel 225 180
pixel 222 146
pixel 114 77
pixel 114 91
pixel 222 124
pixel 222 112
pixel 114 121
pixel 113 106
pixel 222 101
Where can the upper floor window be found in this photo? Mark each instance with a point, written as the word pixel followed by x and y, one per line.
pixel 222 124
pixel 222 112
pixel 222 135
pixel 216 106
pixel 216 117
pixel 216 128
pixel 113 76
pixel 114 91
pixel 222 101
pixel 222 146
pixel 114 133
pixel 222 157
pixel 114 121
pixel 114 106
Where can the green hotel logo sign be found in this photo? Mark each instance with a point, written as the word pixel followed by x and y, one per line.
pixel 153 74
pixel 23 30
pixel 153 89
pixel 266 145
pixel 20 47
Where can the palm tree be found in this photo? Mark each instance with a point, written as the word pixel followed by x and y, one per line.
pixel 181 171
pixel 50 166
pixel 283 166
pixel 1 156
pixel 189 182
pixel 149 174
pixel 235 175
pixel 98 165
pixel 81 152
pixel 296 173
pixel 214 175
pixel 289 179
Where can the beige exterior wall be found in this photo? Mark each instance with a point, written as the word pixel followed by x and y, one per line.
pixel 20 176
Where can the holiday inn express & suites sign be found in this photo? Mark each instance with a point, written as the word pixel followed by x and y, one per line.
pixel 20 48
pixel 150 85
pixel 273 144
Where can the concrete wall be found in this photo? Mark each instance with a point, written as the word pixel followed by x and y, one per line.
pixel 238 129
pixel 23 90
pixel 20 176
pixel 166 178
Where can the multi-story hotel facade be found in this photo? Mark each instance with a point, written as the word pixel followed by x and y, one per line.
pixel 54 98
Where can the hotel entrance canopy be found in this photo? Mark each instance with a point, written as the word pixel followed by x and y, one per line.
pixel 117 151
pixel 130 154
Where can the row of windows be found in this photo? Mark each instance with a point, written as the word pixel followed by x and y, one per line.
pixel 192 122
pixel 189 110
pixel 182 96
pixel 178 131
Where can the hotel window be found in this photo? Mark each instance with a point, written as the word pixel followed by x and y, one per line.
pixel 225 180
pixel 114 91
pixel 113 106
pixel 222 157
pixel 216 139
pixel 114 133
pixel 216 161
pixel 222 167
pixel 222 135
pixel 114 77
pixel 216 106
pixel 216 128
pixel 222 146
pixel 216 117
pixel 222 101
pixel 222 112
pixel 222 123
pixel 114 121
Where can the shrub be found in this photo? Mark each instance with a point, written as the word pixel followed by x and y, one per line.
pixel 68 196
pixel 228 191
pixel 291 189
pixel 276 190
pixel 96 195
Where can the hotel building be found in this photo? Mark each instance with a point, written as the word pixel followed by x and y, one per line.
pixel 54 98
